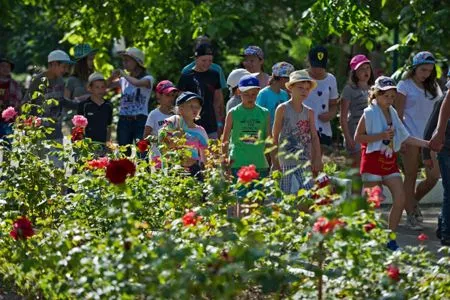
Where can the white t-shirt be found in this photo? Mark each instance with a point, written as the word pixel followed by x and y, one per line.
pixel 319 101
pixel 418 106
pixel 156 121
pixel 134 99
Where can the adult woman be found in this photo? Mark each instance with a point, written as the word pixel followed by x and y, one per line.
pixel 417 93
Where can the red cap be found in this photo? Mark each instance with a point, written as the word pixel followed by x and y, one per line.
pixel 165 87
pixel 357 61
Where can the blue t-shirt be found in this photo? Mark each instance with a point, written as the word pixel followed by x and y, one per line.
pixel 270 100
pixel 214 67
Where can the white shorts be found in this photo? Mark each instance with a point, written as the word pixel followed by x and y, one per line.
pixel 368 177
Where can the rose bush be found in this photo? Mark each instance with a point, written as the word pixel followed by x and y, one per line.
pixel 160 233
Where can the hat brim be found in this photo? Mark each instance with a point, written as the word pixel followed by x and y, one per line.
pixel 168 90
pixel 124 53
pixel 77 58
pixel 290 83
pixel 361 63
pixel 387 88
pixel 246 88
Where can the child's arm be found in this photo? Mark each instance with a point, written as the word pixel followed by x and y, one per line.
pixel 144 82
pixel 437 141
pixel 147 131
pixel 112 81
pixel 416 142
pixel 219 108
pixel 278 123
pixel 361 135
pixel 429 128
pixel 316 155
pixel 345 104
pixel 399 105
pixel 226 135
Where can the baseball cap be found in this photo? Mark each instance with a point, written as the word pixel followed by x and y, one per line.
pixel 203 49
pixel 298 76
pixel 254 50
pixel 135 54
pixel 94 77
pixel 318 57
pixel 83 50
pixel 248 82
pixel 4 59
pixel 187 96
pixel 59 55
pixel 235 76
pixel 423 57
pixel 384 83
pixel 357 61
pixel 282 69
pixel 165 87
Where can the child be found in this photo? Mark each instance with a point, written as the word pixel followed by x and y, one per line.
pixel 440 120
pixel 188 106
pixel 254 63
pixel 274 94
pixel 294 132
pixel 97 111
pixel 165 94
pixel 381 133
pixel 233 82
pixel 323 99
pixel 246 129
pixel 417 93
pixel 354 101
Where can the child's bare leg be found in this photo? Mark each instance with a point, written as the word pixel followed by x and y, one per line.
pixel 395 185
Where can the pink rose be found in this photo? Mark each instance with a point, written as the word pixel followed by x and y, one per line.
pixel 79 121
pixel 9 114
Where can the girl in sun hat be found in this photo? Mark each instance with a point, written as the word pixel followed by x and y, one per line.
pixel 417 94
pixel 254 63
pixel 381 134
pixel 354 101
pixel 274 94
pixel 136 86
pixel 76 84
pixel 295 134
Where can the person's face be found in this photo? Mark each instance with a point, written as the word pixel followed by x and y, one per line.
pixel 283 81
pixel 249 96
pixel 386 99
pixel 423 72
pixel 202 63
pixel 129 63
pixel 191 110
pixel 90 61
pixel 300 89
pixel 98 88
pixel 5 69
pixel 58 68
pixel 363 72
pixel 167 100
pixel 253 63
pixel 317 73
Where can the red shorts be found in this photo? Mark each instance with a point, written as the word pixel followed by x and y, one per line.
pixel 377 163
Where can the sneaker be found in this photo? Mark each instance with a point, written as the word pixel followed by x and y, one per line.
pixel 412 223
pixel 392 245
pixel 418 214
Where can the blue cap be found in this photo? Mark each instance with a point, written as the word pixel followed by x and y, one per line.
pixel 248 82
pixel 187 96
pixel 423 57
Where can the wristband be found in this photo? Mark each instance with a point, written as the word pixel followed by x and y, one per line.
pixel 219 124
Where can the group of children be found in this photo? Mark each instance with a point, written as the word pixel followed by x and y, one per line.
pixel 291 108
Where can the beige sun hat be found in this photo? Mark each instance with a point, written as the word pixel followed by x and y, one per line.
pixel 135 54
pixel 300 75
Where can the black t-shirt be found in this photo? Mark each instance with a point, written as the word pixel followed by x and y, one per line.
pixel 99 118
pixel 204 84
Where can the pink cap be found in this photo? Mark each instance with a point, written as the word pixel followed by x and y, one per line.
pixel 165 87
pixel 357 61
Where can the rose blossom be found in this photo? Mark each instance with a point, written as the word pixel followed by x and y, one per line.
pixel 374 195
pixel 247 173
pixel 22 229
pixel 79 121
pixel 324 226
pixel 77 134
pixel 100 163
pixel 191 218
pixel 118 170
pixel 33 121
pixel 9 114
pixel 142 145
pixel 369 226
pixel 422 237
pixel 393 272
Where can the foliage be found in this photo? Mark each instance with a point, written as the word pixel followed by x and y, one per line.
pixel 95 239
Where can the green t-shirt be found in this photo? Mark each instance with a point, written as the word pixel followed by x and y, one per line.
pixel 248 136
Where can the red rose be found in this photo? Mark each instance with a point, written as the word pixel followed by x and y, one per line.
pixel 247 174
pixel 77 134
pixel 22 229
pixel 322 182
pixel 100 163
pixel 191 218
pixel 374 195
pixel 142 145
pixel 118 170
pixel 393 272
pixel 33 121
pixel 324 226
pixel 369 226
pixel 422 237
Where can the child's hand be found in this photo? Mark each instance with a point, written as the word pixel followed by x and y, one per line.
pixel 428 163
pixel 388 134
pixel 317 165
pixel 115 74
pixel 276 165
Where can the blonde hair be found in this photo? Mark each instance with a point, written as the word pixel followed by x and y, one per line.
pixel 374 93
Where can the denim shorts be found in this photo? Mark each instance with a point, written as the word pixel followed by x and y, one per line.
pixel 368 177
